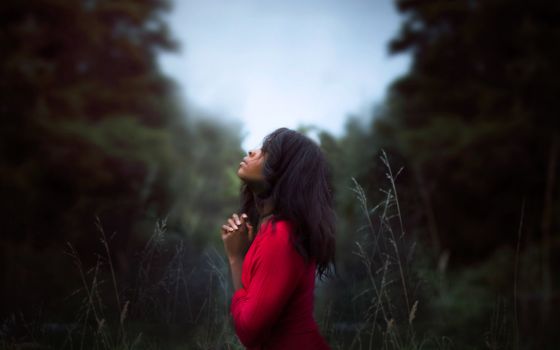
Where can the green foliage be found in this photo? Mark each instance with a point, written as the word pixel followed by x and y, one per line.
pixel 474 118
pixel 82 95
pixel 90 129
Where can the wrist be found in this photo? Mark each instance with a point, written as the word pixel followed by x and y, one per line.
pixel 236 260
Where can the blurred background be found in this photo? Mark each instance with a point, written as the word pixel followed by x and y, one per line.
pixel 123 124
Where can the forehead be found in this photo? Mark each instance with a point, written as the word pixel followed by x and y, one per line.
pixel 251 149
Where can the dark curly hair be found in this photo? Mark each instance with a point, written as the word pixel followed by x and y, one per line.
pixel 298 184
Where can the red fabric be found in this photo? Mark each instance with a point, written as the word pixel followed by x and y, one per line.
pixel 274 308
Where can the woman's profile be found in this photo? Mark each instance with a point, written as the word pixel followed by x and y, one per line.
pixel 283 237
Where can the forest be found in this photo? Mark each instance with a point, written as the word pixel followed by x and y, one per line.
pixel 112 193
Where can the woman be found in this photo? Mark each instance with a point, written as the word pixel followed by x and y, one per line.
pixel 283 236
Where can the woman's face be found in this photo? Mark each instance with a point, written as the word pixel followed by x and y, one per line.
pixel 251 168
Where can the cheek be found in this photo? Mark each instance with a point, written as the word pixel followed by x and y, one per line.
pixel 259 168
pixel 254 171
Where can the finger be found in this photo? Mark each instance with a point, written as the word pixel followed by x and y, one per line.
pixel 249 230
pixel 226 228
pixel 224 232
pixel 241 220
pixel 236 219
pixel 232 224
pixel 244 217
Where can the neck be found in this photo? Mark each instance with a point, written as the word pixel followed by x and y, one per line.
pixel 260 188
pixel 265 211
pixel 264 206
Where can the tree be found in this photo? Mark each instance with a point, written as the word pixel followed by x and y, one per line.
pixel 474 117
pixel 91 128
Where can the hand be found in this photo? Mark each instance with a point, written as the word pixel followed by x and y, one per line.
pixel 237 235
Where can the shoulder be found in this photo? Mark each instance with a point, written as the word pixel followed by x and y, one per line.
pixel 275 243
pixel 279 227
pixel 276 232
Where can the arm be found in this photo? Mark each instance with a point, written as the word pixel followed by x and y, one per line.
pixel 235 266
pixel 276 271
pixel 237 235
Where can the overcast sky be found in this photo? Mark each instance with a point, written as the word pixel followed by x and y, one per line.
pixel 273 63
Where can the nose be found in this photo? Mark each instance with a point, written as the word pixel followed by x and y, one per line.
pixel 251 153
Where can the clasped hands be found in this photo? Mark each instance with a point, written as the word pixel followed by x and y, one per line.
pixel 237 235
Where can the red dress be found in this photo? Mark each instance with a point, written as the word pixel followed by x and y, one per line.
pixel 274 308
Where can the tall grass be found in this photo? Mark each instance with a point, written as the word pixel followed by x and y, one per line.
pixel 398 287
pixel 385 252
pixel 161 307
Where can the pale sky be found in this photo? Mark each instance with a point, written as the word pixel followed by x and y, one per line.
pixel 274 63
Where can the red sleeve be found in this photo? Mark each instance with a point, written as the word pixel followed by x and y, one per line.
pixel 276 270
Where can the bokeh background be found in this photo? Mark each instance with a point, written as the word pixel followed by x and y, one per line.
pixel 123 123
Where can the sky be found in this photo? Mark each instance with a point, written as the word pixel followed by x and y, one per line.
pixel 264 64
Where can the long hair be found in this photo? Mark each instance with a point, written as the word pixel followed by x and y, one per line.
pixel 298 183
